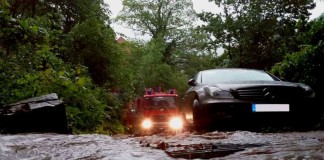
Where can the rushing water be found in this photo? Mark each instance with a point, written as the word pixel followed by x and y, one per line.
pixel 292 145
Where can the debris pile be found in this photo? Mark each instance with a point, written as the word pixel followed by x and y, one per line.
pixel 39 114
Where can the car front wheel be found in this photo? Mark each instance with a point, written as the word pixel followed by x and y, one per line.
pixel 201 117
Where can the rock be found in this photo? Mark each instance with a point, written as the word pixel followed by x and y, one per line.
pixel 39 114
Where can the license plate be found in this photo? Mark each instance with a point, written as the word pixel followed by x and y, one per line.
pixel 270 107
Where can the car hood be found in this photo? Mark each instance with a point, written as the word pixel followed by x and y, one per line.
pixel 246 84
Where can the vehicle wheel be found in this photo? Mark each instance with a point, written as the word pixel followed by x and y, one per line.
pixel 186 125
pixel 198 117
pixel 187 114
pixel 202 117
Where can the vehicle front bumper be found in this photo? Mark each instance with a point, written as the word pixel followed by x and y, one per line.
pixel 243 110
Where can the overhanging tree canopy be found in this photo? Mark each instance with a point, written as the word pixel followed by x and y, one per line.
pixel 255 33
pixel 170 21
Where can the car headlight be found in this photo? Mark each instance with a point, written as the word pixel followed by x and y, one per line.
pixel 218 93
pixel 176 123
pixel 309 92
pixel 147 123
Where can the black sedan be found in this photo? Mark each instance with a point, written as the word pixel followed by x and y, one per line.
pixel 242 94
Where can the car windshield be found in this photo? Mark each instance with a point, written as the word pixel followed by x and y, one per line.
pixel 236 75
pixel 158 102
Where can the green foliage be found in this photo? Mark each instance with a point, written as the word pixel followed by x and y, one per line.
pixel 31 64
pixel 84 105
pixel 306 65
pixel 256 34
pixel 24 52
pixel 164 60
pixel 148 70
pixel 194 63
pixel 93 44
pixel 157 18
pixel 68 47
pixel 169 21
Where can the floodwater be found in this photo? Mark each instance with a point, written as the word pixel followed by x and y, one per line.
pixel 211 145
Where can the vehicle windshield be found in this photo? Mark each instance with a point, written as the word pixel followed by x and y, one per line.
pixel 158 102
pixel 234 75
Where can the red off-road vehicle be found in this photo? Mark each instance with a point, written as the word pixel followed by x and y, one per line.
pixel 155 112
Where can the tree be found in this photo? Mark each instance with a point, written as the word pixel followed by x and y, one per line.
pixel 163 61
pixel 93 44
pixel 307 64
pixel 147 70
pixel 41 54
pixel 167 20
pixel 256 34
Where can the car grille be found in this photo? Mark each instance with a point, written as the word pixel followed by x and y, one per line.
pixel 269 93
pixel 160 118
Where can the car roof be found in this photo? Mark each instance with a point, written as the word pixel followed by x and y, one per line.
pixel 238 69
pixel 233 69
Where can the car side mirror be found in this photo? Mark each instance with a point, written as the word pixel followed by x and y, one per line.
pixel 191 82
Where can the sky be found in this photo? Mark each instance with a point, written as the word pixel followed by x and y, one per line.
pixel 115 7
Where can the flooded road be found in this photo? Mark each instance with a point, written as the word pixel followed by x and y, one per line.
pixel 247 145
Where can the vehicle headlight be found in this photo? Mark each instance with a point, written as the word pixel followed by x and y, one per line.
pixel 147 123
pixel 176 123
pixel 218 93
pixel 308 90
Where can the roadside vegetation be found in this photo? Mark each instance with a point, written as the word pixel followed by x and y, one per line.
pixel 69 47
